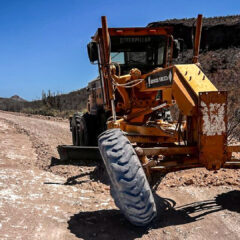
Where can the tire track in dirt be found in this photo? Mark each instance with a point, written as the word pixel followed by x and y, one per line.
pixel 42 150
pixel 45 135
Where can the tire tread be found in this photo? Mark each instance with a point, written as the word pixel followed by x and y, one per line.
pixel 129 186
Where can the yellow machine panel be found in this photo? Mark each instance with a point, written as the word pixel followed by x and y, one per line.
pixel 195 78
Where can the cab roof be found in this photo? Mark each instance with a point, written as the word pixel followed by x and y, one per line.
pixel 137 31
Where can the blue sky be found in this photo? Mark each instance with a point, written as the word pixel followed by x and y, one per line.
pixel 43 42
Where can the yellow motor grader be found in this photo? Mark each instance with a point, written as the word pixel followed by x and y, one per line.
pixel 129 114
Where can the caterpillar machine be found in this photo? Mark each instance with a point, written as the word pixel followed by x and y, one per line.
pixel 129 120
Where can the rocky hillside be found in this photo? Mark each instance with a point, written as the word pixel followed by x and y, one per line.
pixel 217 32
pixel 14 103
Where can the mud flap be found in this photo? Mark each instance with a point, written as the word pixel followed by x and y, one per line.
pixel 212 129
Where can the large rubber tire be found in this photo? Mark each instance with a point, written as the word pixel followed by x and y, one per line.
pixel 129 186
pixel 73 127
pixel 83 130
pixel 74 135
pixel 82 135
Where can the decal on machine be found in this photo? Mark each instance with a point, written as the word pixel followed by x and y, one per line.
pixel 213 119
pixel 163 78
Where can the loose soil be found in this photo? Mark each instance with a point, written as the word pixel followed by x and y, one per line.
pixel 44 198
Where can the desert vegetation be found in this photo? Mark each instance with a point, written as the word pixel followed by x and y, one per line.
pixel 51 104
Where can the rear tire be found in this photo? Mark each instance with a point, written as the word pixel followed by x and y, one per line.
pixel 83 130
pixel 82 136
pixel 129 186
pixel 73 130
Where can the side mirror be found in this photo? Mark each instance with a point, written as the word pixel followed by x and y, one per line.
pixel 92 51
pixel 176 48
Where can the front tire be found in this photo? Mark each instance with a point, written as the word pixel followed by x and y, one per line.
pixel 129 186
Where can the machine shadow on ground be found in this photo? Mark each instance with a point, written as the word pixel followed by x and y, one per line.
pixel 57 161
pixel 111 224
pixel 98 174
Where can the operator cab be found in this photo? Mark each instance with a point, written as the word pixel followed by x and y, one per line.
pixel 128 49
pixel 142 48
pixel 143 52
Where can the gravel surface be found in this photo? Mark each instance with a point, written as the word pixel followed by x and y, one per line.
pixel 42 199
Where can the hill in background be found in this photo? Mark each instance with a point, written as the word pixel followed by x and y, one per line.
pixel 17 98
pixel 51 104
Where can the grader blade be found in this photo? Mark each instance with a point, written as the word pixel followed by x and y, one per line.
pixel 75 153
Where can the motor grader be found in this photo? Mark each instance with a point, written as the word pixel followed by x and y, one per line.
pixel 129 118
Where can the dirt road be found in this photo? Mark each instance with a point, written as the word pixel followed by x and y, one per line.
pixel 42 199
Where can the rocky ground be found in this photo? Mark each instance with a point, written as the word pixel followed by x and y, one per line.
pixel 42 198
